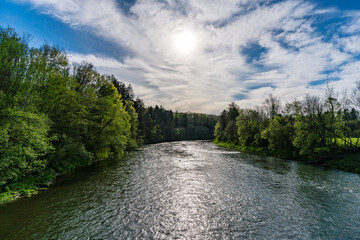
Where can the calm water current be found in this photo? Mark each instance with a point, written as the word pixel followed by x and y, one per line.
pixel 191 190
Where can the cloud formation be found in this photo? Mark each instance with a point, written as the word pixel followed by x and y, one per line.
pixel 245 49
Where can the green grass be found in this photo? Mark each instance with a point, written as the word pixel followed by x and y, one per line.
pixel 341 142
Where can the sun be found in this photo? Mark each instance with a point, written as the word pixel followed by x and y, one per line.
pixel 185 41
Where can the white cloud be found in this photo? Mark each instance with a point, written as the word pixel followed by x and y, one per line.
pixel 351 44
pixel 207 79
pixel 354 25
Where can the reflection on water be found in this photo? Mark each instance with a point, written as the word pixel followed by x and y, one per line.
pixel 191 190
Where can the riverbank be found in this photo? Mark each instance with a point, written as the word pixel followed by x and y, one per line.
pixel 32 185
pixel 349 162
pixel 27 186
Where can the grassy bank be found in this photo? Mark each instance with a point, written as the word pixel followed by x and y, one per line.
pixel 258 150
pixel 349 162
pixel 27 187
pixel 254 150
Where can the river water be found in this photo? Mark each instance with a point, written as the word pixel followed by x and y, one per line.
pixel 191 190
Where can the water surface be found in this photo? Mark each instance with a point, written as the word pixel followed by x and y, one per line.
pixel 191 190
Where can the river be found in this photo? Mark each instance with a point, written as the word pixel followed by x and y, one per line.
pixel 191 190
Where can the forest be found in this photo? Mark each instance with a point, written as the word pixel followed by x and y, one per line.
pixel 317 128
pixel 56 117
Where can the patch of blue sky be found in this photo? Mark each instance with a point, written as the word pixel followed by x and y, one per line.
pixel 339 4
pixel 253 52
pixel 330 77
pixel 260 85
pixel 323 81
pixel 43 27
pixel 329 25
pixel 125 5
pixel 286 45
pixel 239 96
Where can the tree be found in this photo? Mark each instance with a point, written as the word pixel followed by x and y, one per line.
pixel 220 126
pixel 355 97
pixel 250 124
pixel 354 115
pixel 134 139
pixel 279 134
pixel 272 106
pixel 233 112
pixel 306 137
pixel 331 107
pixel 231 131
pixel 24 141
pixel 13 59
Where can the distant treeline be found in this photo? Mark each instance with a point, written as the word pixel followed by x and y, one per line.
pixel 159 125
pixel 57 116
pixel 318 126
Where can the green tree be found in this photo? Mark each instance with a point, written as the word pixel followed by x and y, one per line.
pixel 279 134
pixel 250 124
pixel 24 141
pixel 13 65
pixel 110 127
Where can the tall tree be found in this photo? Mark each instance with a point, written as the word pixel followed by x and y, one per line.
pixel 272 106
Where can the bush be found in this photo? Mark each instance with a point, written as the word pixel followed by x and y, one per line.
pixel 322 150
pixel 71 156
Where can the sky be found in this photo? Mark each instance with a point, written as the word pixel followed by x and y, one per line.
pixel 201 55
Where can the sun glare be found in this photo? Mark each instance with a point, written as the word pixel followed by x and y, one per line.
pixel 185 41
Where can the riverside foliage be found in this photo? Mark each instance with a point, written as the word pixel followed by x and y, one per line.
pixel 314 128
pixel 56 116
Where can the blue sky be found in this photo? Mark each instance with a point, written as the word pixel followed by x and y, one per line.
pixel 200 55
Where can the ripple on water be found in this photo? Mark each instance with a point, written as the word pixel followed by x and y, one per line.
pixel 191 190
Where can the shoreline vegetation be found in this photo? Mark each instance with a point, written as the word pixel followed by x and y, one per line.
pixel 57 116
pixel 349 162
pixel 323 130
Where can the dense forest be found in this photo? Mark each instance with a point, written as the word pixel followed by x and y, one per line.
pixel 318 127
pixel 56 116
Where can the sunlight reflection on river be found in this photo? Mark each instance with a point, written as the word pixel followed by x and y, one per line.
pixel 191 190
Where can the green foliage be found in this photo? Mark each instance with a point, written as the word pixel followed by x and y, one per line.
pixel 110 124
pixel 322 150
pixel 41 99
pixel 309 129
pixel 219 132
pixel 71 156
pixel 160 125
pixel 13 59
pixel 230 131
pixel 250 124
pixel 134 138
pixel 279 134
pixel 350 163
pixel 24 141
pixel 26 186
pixel 225 128
pixel 306 137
